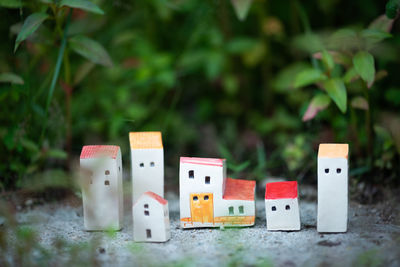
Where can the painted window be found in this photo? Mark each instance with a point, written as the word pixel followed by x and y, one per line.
pixel 141 165
pixel 106 182
pixel 146 210
pixel 207 179
pixel 195 198
pixel 148 233
pixel 206 197
pixel 338 170
pixel 326 170
pixel 146 206
pixel 273 208
pixel 287 207
pixel 152 164
pixel 230 210
pixel 107 172
pixel 147 213
pixel 241 209
pixel 191 174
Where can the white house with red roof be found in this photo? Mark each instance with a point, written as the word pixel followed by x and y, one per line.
pixel 151 219
pixel 282 206
pixel 101 183
pixel 209 199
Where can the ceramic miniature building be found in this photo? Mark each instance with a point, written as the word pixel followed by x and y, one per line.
pixel 332 187
pixel 282 206
pixel 209 199
pixel 101 168
pixel 147 155
pixel 151 219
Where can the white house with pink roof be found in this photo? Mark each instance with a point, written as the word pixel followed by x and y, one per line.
pixel 151 219
pixel 209 199
pixel 101 183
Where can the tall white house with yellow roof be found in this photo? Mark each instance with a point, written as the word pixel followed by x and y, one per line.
pixel 332 188
pixel 147 155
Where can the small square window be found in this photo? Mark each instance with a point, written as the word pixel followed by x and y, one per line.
pixel 287 207
pixel 206 197
pixel 146 206
pixel 273 208
pixel 152 164
pixel 241 209
pixel 107 172
pixel 326 170
pixel 338 170
pixel 191 174
pixel 195 198
pixel 141 165
pixel 230 210
pixel 146 213
pixel 106 182
pixel 207 179
pixel 91 181
pixel 148 233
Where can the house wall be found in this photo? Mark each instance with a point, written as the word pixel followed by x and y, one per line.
pixel 282 219
pixel 197 184
pixel 157 221
pixel 147 178
pixel 332 195
pixel 102 203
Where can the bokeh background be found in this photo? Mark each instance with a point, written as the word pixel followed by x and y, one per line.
pixel 260 83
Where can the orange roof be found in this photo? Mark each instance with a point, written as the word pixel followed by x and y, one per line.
pixel 333 151
pixel 203 161
pixel 156 197
pixel 237 189
pixel 99 151
pixel 145 140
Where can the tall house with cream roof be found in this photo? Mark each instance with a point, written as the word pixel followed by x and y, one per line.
pixel 332 188
pixel 147 155
pixel 101 182
pixel 209 199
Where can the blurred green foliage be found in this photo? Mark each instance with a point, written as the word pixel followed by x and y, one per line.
pixel 215 83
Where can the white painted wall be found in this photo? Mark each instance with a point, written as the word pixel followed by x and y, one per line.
pixel 197 184
pixel 102 204
pixel 332 195
pixel 148 177
pixel 157 220
pixel 282 219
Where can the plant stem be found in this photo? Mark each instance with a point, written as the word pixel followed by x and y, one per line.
pixel 55 75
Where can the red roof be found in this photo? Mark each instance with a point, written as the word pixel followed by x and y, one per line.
pixel 161 200
pixel 237 189
pixel 278 190
pixel 203 161
pixel 99 151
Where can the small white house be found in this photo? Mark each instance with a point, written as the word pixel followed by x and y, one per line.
pixel 147 155
pixel 282 207
pixel 151 219
pixel 101 183
pixel 209 199
pixel 332 188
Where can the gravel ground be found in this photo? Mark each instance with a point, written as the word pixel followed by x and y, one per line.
pixel 373 239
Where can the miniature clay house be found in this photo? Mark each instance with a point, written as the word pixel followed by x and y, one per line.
pixel 147 155
pixel 332 187
pixel 151 219
pixel 209 199
pixel 282 207
pixel 101 184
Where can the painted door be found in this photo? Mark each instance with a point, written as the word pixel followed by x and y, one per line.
pixel 202 207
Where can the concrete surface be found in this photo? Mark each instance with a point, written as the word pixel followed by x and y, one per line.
pixel 373 239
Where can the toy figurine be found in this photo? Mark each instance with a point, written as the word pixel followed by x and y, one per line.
pixel 147 156
pixel 151 219
pixel 209 199
pixel 101 168
pixel 332 188
pixel 282 207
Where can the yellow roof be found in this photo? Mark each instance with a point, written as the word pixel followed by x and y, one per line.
pixel 333 151
pixel 145 140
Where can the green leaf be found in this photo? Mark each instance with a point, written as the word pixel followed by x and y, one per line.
pixel 350 75
pixel 318 103
pixel 382 23
pixel 364 66
pixel 392 7
pixel 11 3
pixel 308 76
pixel 56 153
pixel 82 4
pixel 9 77
pixel 30 25
pixel 241 8
pixel 90 49
pixel 327 59
pixel 285 78
pixel 337 91
pixel 373 36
